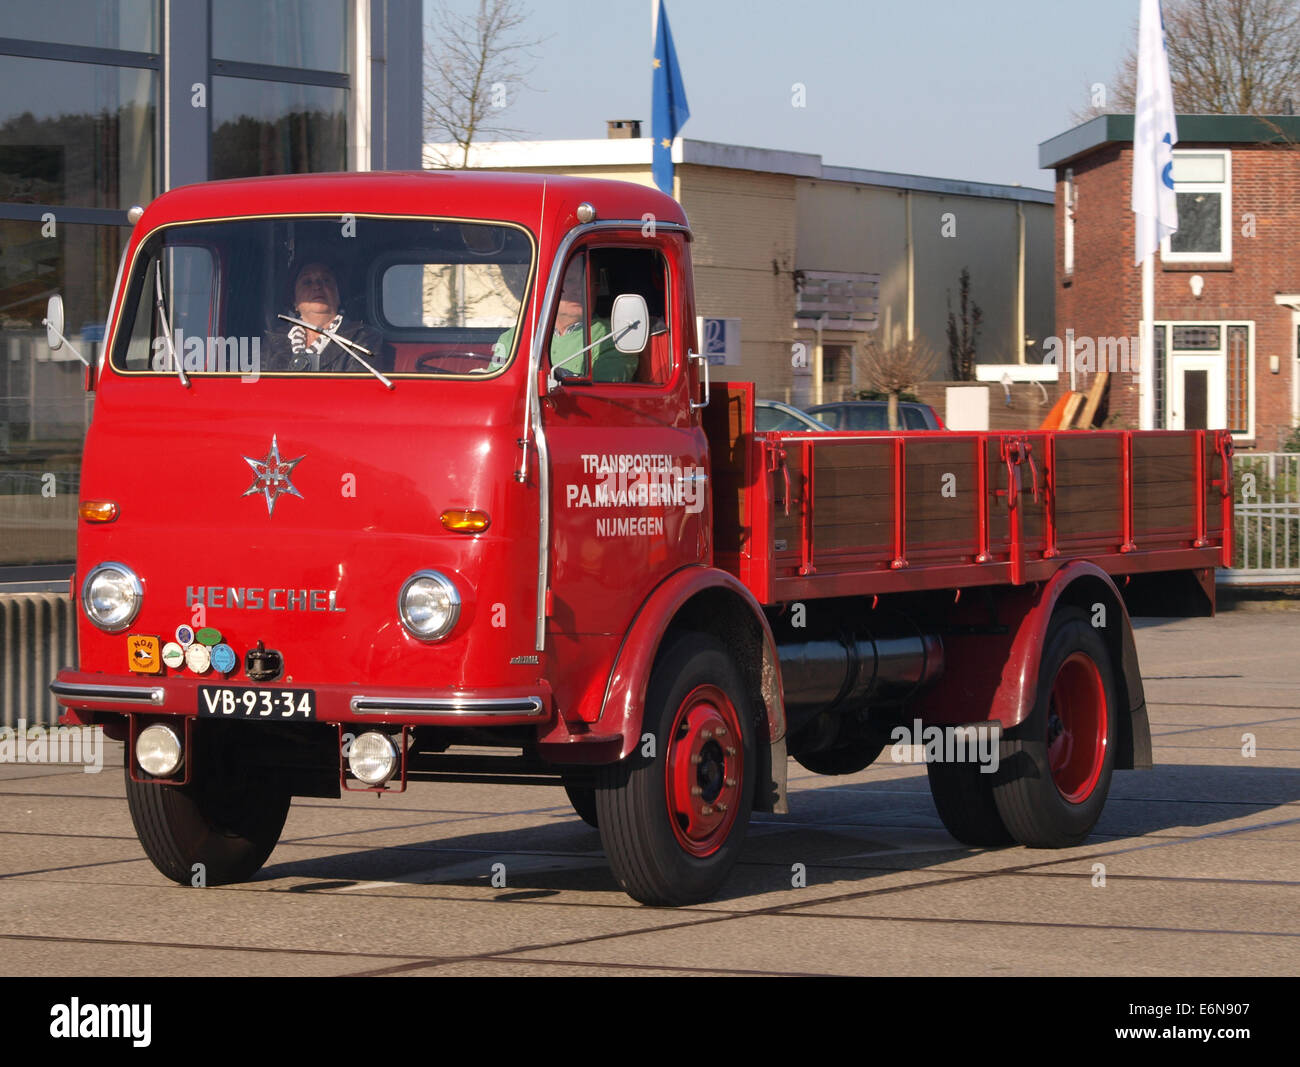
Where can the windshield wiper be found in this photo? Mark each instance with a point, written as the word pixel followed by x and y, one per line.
pixel 350 347
pixel 167 329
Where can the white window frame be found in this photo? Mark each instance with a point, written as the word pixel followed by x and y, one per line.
pixel 1071 202
pixel 1224 189
pixel 1252 328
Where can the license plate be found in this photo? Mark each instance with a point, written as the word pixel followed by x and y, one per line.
pixel 268 705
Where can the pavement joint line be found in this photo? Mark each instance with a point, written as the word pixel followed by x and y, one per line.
pixel 1224 707
pixel 135 943
pixel 497 957
pixel 945 920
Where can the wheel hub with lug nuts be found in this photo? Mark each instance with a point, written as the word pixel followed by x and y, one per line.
pixel 704 769
pixel 1076 728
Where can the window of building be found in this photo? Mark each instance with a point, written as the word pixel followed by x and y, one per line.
pixel 79 100
pixel 281 94
pixel 1071 202
pixel 306 34
pixel 264 127
pixel 1203 191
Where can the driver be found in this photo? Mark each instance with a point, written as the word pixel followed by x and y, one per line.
pixel 316 302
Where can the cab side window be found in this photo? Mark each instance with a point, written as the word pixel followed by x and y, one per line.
pixel 580 331
pixel 643 271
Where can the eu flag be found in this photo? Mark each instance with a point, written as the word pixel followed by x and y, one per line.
pixel 668 112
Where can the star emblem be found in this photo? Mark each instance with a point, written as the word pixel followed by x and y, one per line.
pixel 665 142
pixel 656 64
pixel 271 476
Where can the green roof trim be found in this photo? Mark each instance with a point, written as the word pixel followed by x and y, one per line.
pixel 1192 129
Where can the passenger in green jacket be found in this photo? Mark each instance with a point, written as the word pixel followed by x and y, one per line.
pixel 607 363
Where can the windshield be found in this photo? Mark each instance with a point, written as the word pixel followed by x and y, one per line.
pixel 343 295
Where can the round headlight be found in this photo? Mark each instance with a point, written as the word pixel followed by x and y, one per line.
pixel 111 596
pixel 158 750
pixel 372 758
pixel 428 605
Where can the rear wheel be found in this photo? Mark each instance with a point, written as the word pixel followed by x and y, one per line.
pixel 964 796
pixel 673 823
pixel 226 820
pixel 1057 764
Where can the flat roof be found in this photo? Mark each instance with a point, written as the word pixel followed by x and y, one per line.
pixel 630 151
pixel 1212 129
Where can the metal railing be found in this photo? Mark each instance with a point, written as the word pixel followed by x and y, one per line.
pixel 1266 510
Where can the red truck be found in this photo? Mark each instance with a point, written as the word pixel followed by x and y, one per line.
pixel 421 476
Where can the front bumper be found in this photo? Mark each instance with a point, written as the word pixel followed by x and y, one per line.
pixel 78 691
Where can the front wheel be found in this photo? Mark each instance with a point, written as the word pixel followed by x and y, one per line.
pixel 1057 764
pixel 218 829
pixel 673 820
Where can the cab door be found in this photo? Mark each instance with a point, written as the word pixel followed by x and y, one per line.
pixel 629 459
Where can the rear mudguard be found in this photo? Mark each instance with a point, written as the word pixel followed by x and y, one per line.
pixel 994 676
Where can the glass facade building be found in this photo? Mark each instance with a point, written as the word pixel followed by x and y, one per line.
pixel 104 104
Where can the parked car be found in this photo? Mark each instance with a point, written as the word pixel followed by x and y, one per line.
pixel 874 415
pixel 773 415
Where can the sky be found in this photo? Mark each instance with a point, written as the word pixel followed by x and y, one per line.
pixel 957 89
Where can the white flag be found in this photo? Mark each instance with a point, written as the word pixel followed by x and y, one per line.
pixel 1154 137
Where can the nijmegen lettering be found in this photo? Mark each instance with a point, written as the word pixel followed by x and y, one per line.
pixel 642 526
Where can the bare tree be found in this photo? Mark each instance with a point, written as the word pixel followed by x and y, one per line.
pixel 1226 57
pixel 895 369
pixel 474 65
pixel 963 331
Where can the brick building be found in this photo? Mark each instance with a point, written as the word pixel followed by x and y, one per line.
pixel 1227 285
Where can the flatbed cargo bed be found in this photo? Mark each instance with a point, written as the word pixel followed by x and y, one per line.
pixel 806 515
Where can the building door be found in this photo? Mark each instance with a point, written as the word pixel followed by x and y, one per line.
pixel 1197 398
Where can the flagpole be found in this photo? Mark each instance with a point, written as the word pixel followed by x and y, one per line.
pixel 1147 369
pixel 1153 200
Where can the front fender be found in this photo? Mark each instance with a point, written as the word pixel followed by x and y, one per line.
pixel 623 708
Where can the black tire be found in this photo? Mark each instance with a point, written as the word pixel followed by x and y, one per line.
pixel 1052 797
pixel 583 799
pixel 848 758
pixel 964 796
pixel 682 855
pixel 225 820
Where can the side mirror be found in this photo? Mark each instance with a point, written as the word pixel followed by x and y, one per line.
pixel 54 323
pixel 630 323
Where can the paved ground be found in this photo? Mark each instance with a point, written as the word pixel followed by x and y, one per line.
pixel 1201 862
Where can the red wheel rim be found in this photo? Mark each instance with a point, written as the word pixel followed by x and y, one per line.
pixel 1077 728
pixel 705 770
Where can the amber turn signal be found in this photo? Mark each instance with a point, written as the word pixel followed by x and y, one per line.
pixel 98 510
pixel 462 520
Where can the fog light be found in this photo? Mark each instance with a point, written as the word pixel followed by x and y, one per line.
pixel 372 758
pixel 158 751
